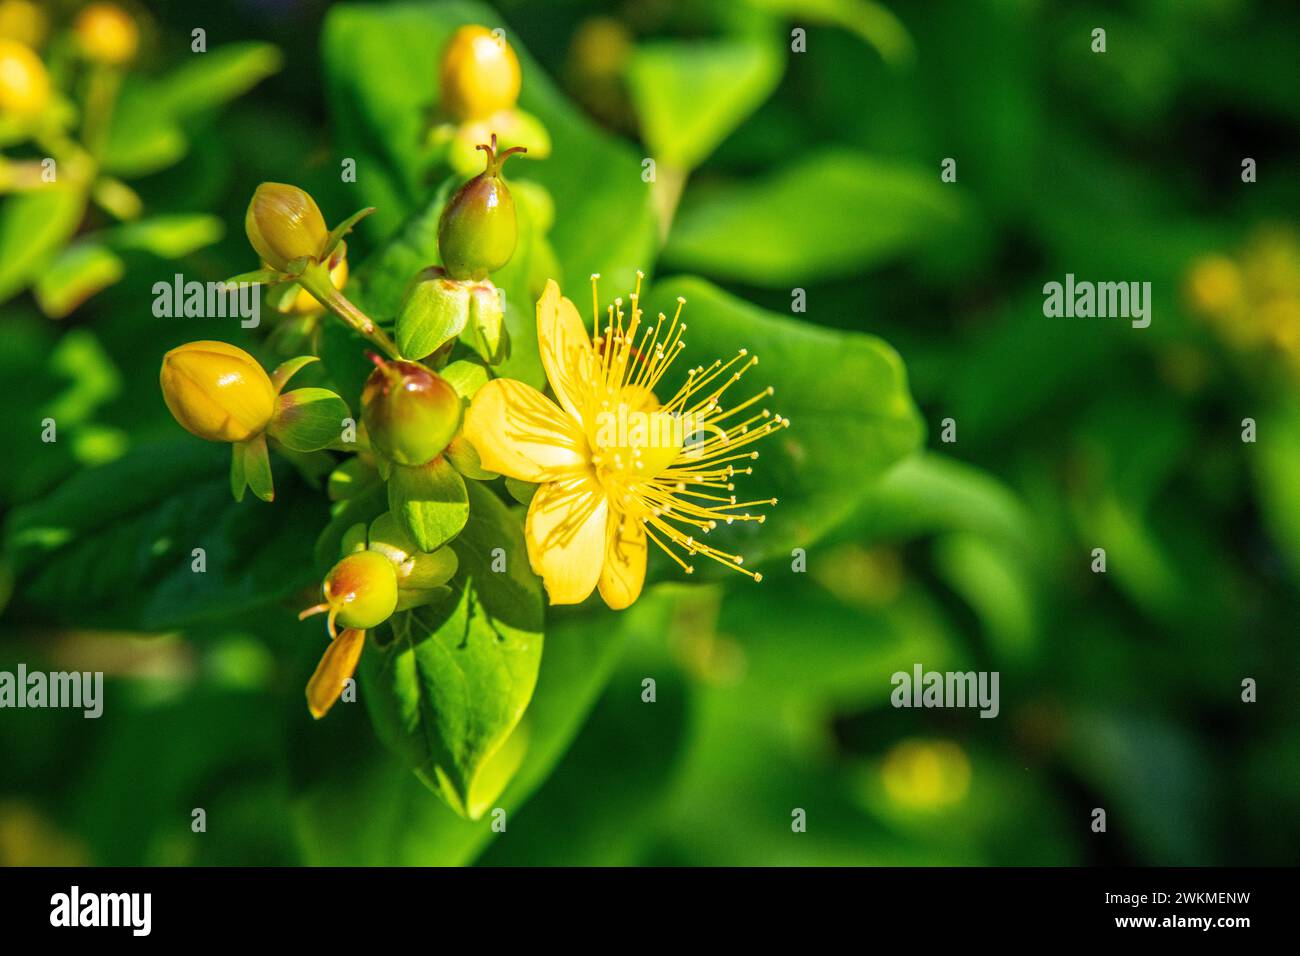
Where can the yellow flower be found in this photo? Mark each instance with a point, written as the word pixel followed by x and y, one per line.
pixel 217 391
pixel 107 34
pixel 615 465
pixel 24 82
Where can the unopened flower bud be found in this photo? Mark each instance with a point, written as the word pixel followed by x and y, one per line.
pixel 479 74
pixel 360 591
pixel 107 34
pixel 411 414
pixel 283 224
pixel 24 81
pixel 22 20
pixel 217 391
pixel 477 231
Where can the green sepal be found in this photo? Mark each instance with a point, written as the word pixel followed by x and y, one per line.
pixel 308 419
pixel 288 369
pixel 412 598
pixel 485 332
pixel 416 570
pixel 521 491
pixel 257 277
pixel 354 539
pixel 434 311
pixel 466 376
pixel 429 501
pixel 342 229
pixel 464 457
pixel 250 467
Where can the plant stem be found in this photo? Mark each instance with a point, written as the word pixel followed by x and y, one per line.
pixel 316 280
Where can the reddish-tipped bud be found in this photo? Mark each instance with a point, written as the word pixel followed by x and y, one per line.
pixel 477 231
pixel 361 591
pixel 411 413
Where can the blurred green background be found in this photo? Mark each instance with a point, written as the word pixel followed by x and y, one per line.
pixel 780 170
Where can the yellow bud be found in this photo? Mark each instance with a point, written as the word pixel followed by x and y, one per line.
pixel 1215 284
pixel 107 34
pixel 23 21
pixel 24 82
pixel 217 391
pixel 284 223
pixel 479 74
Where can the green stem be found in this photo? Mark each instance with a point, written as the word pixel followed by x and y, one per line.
pixel 101 96
pixel 316 280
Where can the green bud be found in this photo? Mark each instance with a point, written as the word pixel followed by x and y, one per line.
pixel 410 413
pixel 477 231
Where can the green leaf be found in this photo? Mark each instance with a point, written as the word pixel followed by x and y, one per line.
pixel 450 687
pixel 113 546
pixel 846 395
pixel 148 131
pixel 1275 468
pixel 308 419
pixel 381 117
pixel 78 272
pixel 33 227
pixel 832 213
pixel 929 493
pixel 256 468
pixel 871 21
pixel 222 74
pixel 169 237
pixel 429 501
pixel 690 95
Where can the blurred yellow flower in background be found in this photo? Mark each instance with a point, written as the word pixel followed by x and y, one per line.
pixel 926 774
pixel 1252 299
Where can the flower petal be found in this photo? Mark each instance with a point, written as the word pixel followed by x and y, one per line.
pixel 518 431
pixel 565 532
pixel 624 571
pixel 566 351
pixel 337 664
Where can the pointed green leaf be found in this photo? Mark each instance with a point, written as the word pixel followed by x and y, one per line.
pixel 450 686
pixel 846 395
pixel 690 95
pixel 78 272
pixel 774 232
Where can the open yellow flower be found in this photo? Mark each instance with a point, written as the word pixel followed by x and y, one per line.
pixel 615 465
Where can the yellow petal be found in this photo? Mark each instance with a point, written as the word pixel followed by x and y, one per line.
pixel 518 431
pixel 566 351
pixel 624 571
pixel 336 666
pixel 565 532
